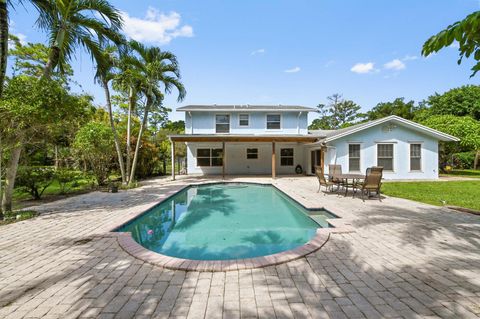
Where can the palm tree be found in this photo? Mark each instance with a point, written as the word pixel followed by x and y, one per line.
pixel 73 23
pixel 106 64
pixel 4 4
pixel 160 74
pixel 129 80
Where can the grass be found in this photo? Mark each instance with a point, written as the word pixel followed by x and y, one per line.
pixel 53 189
pixel 464 173
pixel 18 216
pixel 456 193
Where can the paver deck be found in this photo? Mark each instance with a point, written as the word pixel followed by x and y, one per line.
pixel 404 260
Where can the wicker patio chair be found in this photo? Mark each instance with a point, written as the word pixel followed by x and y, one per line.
pixel 322 181
pixel 371 183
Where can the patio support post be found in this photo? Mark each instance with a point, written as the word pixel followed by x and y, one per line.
pixel 273 160
pixel 173 159
pixel 224 160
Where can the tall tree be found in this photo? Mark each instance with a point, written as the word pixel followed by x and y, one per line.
pixel 466 33
pixel 160 74
pixel 397 107
pixel 336 114
pixel 106 64
pixel 4 33
pixel 461 101
pixel 28 108
pixel 77 23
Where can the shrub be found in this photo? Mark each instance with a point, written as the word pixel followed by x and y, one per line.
pixel 464 160
pixel 35 179
pixel 94 144
pixel 66 179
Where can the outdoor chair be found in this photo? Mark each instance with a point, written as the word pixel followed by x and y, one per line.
pixel 322 181
pixel 372 182
pixel 335 170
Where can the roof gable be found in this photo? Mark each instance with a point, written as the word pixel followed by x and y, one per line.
pixel 334 135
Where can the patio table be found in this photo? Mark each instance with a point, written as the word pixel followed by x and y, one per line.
pixel 345 177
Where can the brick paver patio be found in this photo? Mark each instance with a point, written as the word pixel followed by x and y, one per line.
pixel 404 260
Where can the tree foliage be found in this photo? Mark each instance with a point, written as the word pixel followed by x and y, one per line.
pixel 461 101
pixel 397 107
pixel 94 144
pixel 466 33
pixel 35 180
pixel 336 114
pixel 466 128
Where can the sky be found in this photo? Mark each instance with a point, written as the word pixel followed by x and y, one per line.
pixel 288 52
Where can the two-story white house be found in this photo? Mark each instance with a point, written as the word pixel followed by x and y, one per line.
pixel 274 139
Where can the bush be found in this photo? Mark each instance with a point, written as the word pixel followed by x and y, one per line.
pixel 464 160
pixel 66 179
pixel 35 179
pixel 94 144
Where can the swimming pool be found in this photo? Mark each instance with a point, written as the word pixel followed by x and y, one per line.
pixel 226 221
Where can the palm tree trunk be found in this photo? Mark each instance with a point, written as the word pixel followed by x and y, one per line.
pixel 10 175
pixel 129 124
pixel 3 42
pixel 54 55
pixel 114 131
pixel 139 141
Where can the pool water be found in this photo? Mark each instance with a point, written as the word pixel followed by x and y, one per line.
pixel 225 221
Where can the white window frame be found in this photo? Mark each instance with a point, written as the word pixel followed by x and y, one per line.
pixel 229 122
pixel 266 122
pixel 293 156
pixel 410 156
pixel 248 119
pixel 359 157
pixel 393 155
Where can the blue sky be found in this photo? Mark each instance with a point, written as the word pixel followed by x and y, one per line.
pixel 290 52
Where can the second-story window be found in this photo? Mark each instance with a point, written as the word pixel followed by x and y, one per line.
pixel 243 120
pixel 273 121
pixel 222 123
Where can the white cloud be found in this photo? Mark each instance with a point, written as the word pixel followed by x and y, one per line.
pixel 363 68
pixel 293 70
pixel 157 27
pixel 259 51
pixel 395 64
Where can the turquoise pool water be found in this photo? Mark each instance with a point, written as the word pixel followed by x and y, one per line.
pixel 225 221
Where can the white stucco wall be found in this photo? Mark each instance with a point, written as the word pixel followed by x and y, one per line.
pixel 401 137
pixel 204 123
pixel 237 162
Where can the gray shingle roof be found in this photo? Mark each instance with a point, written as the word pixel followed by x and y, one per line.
pixel 244 107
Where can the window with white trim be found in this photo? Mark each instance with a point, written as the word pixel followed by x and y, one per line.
pixel 385 156
pixel 243 120
pixel 415 157
pixel 252 153
pixel 222 123
pixel 354 157
pixel 273 121
pixel 209 157
pixel 286 157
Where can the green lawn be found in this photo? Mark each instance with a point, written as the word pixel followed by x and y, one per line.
pixel 54 189
pixel 456 193
pixel 464 173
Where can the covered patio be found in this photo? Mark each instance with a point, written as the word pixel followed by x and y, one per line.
pixel 225 139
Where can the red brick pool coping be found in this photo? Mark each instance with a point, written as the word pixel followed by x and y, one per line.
pixel 126 241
